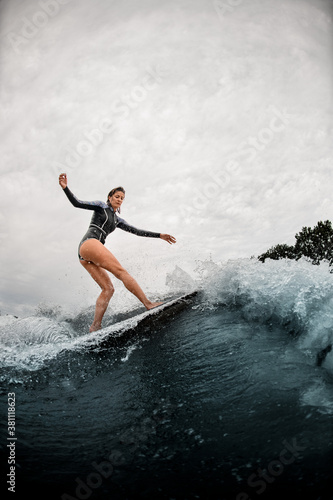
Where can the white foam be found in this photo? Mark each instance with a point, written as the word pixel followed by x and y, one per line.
pixel 294 294
pixel 320 396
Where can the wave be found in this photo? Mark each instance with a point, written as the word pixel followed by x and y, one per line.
pixel 27 343
pixel 297 296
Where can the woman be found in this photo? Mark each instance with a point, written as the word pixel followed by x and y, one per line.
pixel 97 259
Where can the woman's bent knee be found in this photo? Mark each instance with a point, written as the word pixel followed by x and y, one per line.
pixel 108 290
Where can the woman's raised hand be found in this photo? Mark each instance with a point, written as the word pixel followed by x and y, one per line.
pixel 167 237
pixel 63 180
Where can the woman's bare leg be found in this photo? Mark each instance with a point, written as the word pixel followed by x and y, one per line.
pixel 102 278
pixel 94 251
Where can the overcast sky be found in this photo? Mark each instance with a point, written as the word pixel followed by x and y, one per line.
pixel 216 117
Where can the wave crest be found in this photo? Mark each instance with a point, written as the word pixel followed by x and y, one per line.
pixel 294 294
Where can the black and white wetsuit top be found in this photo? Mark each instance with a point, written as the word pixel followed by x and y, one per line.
pixel 104 220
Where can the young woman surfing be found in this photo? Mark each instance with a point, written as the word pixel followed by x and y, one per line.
pixel 97 259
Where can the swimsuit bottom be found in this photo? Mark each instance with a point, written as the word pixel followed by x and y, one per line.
pixel 93 233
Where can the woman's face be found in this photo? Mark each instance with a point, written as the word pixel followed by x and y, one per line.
pixel 116 199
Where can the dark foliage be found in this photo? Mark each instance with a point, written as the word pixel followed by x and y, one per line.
pixel 278 252
pixel 315 244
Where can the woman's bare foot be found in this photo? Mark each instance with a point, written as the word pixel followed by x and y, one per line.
pixel 94 327
pixel 151 305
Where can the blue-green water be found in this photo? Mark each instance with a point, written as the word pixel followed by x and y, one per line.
pixel 224 400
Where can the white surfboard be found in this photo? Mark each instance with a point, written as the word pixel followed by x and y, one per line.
pixel 139 324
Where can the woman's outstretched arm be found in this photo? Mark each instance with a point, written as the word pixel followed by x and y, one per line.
pixel 88 205
pixel 122 224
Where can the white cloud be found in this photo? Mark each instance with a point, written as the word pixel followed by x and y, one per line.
pixel 171 144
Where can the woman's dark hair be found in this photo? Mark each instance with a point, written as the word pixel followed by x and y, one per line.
pixel 112 192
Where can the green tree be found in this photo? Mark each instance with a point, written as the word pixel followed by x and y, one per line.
pixel 282 251
pixel 316 244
